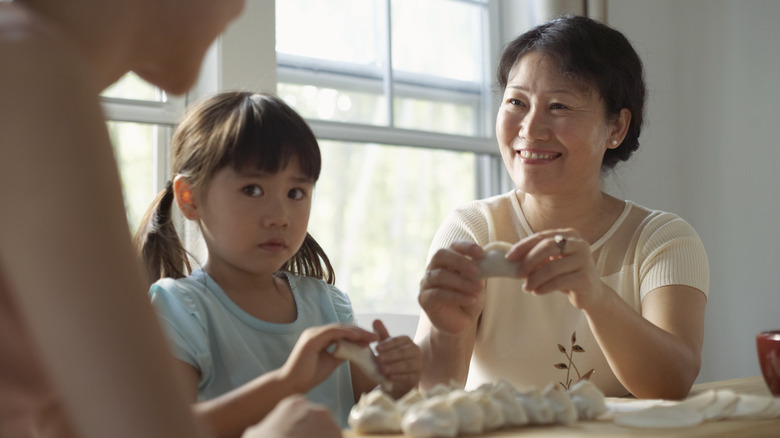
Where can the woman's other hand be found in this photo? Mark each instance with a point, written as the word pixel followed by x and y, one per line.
pixel 559 260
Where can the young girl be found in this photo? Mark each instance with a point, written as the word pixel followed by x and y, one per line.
pixel 244 168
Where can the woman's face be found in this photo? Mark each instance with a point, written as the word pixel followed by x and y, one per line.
pixel 551 130
pixel 178 36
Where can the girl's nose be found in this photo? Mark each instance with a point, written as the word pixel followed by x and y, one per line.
pixel 275 214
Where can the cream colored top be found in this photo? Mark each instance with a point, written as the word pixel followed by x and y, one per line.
pixel 529 339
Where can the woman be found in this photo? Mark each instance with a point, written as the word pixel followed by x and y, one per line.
pixel 81 352
pixel 604 289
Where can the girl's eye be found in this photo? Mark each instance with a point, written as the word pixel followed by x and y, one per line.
pixel 296 194
pixel 253 190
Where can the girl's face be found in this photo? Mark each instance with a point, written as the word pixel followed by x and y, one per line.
pixel 551 131
pixel 255 221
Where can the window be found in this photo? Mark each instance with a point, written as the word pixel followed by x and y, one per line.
pixel 398 93
pixel 141 119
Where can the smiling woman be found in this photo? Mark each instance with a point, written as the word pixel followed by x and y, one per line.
pixel 623 285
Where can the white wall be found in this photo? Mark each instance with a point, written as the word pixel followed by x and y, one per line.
pixel 710 152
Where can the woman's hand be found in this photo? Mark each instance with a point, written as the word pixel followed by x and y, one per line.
pixel 550 263
pixel 310 362
pixel 399 359
pixel 451 292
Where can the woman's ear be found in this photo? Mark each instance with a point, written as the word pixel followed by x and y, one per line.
pixel 185 198
pixel 619 128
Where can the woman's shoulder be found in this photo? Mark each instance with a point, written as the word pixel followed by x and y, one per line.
pixel 651 225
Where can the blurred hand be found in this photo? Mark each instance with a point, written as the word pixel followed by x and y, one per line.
pixel 295 417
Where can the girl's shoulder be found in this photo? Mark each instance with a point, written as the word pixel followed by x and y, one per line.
pixel 319 293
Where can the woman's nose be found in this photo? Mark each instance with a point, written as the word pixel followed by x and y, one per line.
pixel 533 126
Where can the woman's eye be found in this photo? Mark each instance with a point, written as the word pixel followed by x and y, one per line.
pixel 515 102
pixel 253 190
pixel 558 106
pixel 296 194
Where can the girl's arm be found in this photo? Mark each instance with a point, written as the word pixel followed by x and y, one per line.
pixel 65 250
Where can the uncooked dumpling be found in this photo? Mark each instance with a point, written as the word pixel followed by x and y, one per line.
pixel 495 264
pixel 661 417
pixel 506 396
pixel 375 412
pixel 469 414
pixel 363 358
pixel 432 417
pixel 491 409
pixel 588 400
pixel 536 406
pixel 408 400
pixel 561 405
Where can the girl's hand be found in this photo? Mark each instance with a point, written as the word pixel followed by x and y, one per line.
pixel 451 292
pixel 564 264
pixel 399 359
pixel 310 362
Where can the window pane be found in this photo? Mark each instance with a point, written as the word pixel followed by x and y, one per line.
pixel 439 38
pixel 335 104
pixel 429 115
pixel 376 209
pixel 338 30
pixel 135 148
pixel 130 86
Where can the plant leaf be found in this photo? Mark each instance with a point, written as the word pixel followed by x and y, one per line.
pixel 561 348
pixel 578 349
pixel 573 337
pixel 561 366
pixel 587 375
pixel 564 386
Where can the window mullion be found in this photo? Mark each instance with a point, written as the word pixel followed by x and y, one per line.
pixel 388 61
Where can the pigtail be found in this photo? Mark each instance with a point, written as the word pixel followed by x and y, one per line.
pixel 157 243
pixel 311 261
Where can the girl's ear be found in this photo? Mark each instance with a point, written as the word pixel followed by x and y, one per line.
pixel 185 198
pixel 619 128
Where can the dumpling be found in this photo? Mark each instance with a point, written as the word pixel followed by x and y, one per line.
pixel 495 264
pixel 408 400
pixel 506 395
pixel 432 417
pixel 588 400
pixel 536 406
pixel 363 358
pixel 492 411
pixel 375 412
pixel 562 407
pixel 469 414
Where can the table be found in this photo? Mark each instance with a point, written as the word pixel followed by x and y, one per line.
pixel 588 429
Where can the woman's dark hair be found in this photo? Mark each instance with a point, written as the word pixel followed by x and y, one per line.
pixel 244 131
pixel 596 55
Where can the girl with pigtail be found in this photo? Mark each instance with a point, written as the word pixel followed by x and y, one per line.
pixel 255 323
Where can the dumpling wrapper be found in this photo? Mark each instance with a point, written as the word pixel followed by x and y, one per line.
pixel 661 417
pixel 505 394
pixel 755 407
pixel 495 264
pixel 375 412
pixel 724 404
pixel 363 358
pixel 432 417
pixel 492 411
pixel 409 399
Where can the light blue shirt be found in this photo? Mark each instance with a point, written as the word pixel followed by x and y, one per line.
pixel 229 347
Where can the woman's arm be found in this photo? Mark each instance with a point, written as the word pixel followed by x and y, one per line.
pixel 656 354
pixel 65 250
